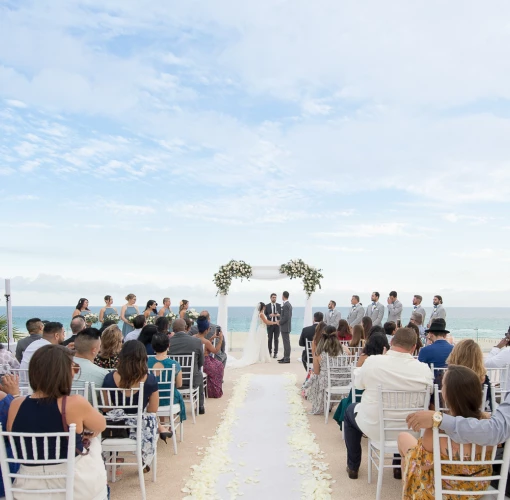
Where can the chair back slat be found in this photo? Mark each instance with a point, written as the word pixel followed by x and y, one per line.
pixel 338 370
pixel 166 383
pixel 309 356
pixel 187 362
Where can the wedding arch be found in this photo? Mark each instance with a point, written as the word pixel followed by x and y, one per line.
pixel 294 269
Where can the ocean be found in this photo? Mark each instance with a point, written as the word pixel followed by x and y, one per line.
pixel 474 322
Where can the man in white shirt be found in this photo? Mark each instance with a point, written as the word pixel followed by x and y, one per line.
pixel 332 317
pixel 375 311
pixel 397 370
pixel 138 323
pixel 418 308
pixel 499 356
pixel 53 333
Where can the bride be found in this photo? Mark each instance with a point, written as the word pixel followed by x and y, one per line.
pixel 255 349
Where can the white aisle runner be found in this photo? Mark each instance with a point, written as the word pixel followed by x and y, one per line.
pixel 259 449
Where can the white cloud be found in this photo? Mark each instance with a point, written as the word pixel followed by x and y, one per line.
pixel 121 208
pixel 33 225
pixel 15 104
pixel 22 197
pixel 473 219
pixel 367 230
pixel 344 249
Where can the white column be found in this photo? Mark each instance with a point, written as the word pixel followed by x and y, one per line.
pixel 8 300
pixel 308 320
pixel 222 319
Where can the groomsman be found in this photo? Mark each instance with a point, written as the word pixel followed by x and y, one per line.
pixel 356 313
pixel 375 311
pixel 332 316
pixel 395 309
pixel 439 311
pixel 273 312
pixel 418 308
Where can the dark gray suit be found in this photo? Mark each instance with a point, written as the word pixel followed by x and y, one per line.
pixel 182 343
pixel 285 328
pixel 222 355
pixel 273 331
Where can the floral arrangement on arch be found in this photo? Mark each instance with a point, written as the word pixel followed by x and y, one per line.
pixel 311 276
pixel 234 269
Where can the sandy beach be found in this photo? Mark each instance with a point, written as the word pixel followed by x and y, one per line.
pixel 173 470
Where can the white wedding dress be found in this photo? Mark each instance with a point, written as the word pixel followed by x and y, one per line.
pixel 255 349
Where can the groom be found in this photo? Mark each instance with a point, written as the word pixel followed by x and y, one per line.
pixel 285 327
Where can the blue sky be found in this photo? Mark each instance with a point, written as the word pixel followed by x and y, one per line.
pixel 145 143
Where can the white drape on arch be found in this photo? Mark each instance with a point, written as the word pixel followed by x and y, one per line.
pixel 259 273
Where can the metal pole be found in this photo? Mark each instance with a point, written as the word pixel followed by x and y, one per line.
pixel 7 295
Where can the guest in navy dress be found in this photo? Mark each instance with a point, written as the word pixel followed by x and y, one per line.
pixel 148 331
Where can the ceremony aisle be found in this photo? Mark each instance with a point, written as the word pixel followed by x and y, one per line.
pixel 257 420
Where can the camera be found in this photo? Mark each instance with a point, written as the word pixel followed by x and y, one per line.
pixel 218 330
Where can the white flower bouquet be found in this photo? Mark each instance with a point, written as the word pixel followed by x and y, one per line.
pixel 131 318
pixel 91 318
pixel 171 316
pixel 151 320
pixel 192 314
pixel 234 269
pixel 310 275
pixel 112 317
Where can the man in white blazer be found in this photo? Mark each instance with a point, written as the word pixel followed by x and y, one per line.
pixel 395 309
pixel 332 317
pixel 375 311
pixel 356 313
pixel 439 311
pixel 418 308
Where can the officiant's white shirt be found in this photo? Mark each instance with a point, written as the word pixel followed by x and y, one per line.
pixel 394 371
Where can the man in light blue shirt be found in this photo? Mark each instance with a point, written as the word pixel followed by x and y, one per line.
pixel 87 345
pixel 138 323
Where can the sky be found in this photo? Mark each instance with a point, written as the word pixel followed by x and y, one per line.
pixel 145 143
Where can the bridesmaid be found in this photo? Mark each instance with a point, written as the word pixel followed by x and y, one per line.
pixel 183 307
pixel 166 307
pixel 127 310
pixel 108 309
pixel 82 308
pixel 150 309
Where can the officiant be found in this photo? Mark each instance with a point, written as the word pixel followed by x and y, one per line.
pixel 273 312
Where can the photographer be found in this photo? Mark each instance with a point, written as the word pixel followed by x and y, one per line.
pixel 213 333
pixel 499 356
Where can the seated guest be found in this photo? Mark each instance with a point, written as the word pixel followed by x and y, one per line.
pixel 461 390
pixel 106 324
pixel 468 353
pixel 87 346
pixel 160 344
pixel 35 328
pixel 374 329
pixel 77 325
pixel 131 370
pixel 53 333
pixel 182 343
pixel 213 368
pixel 396 370
pixel 499 356
pixel 308 333
pixel 390 327
pixel 366 323
pixel 162 324
pixel 343 331
pixel 328 345
pixel 111 344
pixel 193 330
pixel 419 343
pixel 437 352
pixel 148 331
pixel 358 336
pixel 189 326
pixel 319 329
pixel 51 408
pixel 7 360
pixel 417 319
pixel 377 344
pixel 138 323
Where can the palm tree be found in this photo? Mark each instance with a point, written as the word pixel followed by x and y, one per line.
pixel 3 330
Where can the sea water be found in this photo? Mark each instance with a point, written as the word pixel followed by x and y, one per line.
pixel 481 322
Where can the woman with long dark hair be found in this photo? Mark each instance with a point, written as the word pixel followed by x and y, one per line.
pixel 82 308
pixel 145 337
pixel 150 309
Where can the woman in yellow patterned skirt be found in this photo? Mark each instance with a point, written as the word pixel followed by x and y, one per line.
pixel 463 397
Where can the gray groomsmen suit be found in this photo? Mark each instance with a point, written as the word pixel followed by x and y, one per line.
pixel 438 312
pixel 375 313
pixel 355 315
pixel 420 309
pixel 285 328
pixel 333 317
pixel 395 311
pixel 182 343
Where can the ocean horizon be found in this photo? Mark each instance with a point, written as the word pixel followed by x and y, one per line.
pixel 484 322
